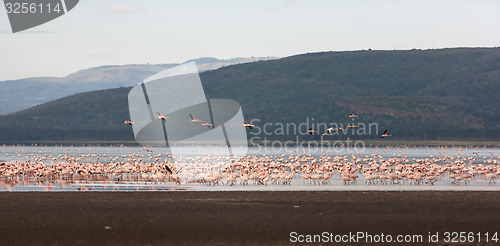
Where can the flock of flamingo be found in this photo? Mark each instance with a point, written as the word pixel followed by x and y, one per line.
pixel 158 169
pixel 328 131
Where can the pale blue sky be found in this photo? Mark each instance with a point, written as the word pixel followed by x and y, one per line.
pixel 108 32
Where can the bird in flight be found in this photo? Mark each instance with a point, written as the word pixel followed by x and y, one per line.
pixel 351 115
pixel 193 119
pixel 329 131
pixel 207 124
pixel 385 134
pixel 128 122
pixel 338 129
pixel 352 126
pixel 162 117
pixel 311 131
pixel 248 125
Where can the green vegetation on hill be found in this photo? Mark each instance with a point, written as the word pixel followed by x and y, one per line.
pixel 22 94
pixel 431 94
pixel 417 94
pixel 92 115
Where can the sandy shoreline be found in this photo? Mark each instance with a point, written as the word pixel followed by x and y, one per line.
pixel 230 218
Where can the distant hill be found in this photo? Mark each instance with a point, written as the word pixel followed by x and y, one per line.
pixel 416 94
pixel 21 94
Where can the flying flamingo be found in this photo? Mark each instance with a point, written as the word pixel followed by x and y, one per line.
pixel 385 134
pixel 248 125
pixel 311 131
pixel 329 130
pixel 128 122
pixel 162 117
pixel 207 124
pixel 193 119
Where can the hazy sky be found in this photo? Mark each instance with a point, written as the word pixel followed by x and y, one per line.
pixel 106 32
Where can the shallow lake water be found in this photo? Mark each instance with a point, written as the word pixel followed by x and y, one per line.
pixel 474 156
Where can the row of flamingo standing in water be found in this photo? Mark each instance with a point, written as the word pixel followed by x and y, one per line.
pixel 259 170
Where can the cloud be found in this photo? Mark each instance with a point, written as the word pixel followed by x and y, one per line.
pixel 123 8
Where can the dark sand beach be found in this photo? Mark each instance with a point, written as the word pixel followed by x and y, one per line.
pixel 238 218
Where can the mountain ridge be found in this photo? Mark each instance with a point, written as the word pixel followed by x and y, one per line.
pixel 20 94
pixel 417 94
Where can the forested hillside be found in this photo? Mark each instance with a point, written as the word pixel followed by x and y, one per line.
pixel 417 94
